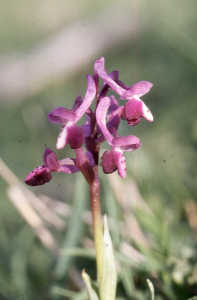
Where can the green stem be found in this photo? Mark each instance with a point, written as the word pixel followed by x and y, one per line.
pixel 97 225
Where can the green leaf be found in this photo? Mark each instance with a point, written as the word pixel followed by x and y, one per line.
pixel 92 295
pixel 109 278
pixel 151 287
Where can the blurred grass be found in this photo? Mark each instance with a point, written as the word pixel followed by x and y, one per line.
pixel 164 168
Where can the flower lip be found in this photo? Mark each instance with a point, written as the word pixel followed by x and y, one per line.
pixel 113 160
pixel 39 176
pixel 72 135
pixel 134 110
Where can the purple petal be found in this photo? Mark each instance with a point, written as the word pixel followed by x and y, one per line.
pixel 108 162
pixel 113 75
pixel 39 176
pixel 60 114
pixel 61 141
pixel 114 122
pixel 120 160
pixel 67 161
pixel 126 143
pixel 72 135
pixel 134 110
pixel 113 160
pixel 87 126
pixel 122 84
pixel 77 103
pixel 75 137
pixel 114 109
pixel 88 99
pixel 67 165
pixel 69 169
pixel 127 93
pixel 99 68
pixel 138 89
pixel 101 112
pixel 113 105
pixel 50 160
pixel 86 130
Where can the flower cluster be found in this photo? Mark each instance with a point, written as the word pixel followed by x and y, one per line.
pixel 99 126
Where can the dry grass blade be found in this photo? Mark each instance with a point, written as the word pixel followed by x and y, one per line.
pixel 191 211
pixel 20 201
pixel 59 207
pixel 37 203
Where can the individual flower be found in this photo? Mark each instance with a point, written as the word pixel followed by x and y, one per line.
pixel 42 174
pixel 70 133
pixel 114 159
pixel 135 108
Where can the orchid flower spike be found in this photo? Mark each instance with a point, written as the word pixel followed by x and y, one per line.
pixel 70 133
pixel 99 126
pixel 114 159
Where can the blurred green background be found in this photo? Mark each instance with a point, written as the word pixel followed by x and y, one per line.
pixel 47 48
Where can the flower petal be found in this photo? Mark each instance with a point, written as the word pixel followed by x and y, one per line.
pixel 113 75
pixel 69 169
pixel 113 105
pixel 99 68
pixel 77 103
pixel 101 112
pixel 88 99
pixel 113 160
pixel 108 162
pixel 50 160
pixel 114 122
pixel 39 176
pixel 134 110
pixel 70 134
pixel 87 126
pixel 126 143
pixel 60 115
pixel 138 89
